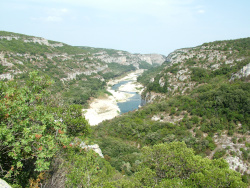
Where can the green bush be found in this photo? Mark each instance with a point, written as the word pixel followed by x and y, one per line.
pixel 219 153
pixel 30 133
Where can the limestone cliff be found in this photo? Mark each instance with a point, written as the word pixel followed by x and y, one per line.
pixel 21 53
pixel 177 75
pixel 126 58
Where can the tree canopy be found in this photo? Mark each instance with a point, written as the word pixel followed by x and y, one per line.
pixel 32 128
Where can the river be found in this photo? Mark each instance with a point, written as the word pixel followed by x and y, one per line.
pixel 133 102
pixel 125 96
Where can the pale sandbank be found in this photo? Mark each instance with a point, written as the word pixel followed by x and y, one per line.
pixel 106 108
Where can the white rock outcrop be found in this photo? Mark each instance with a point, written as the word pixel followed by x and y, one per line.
pixel 4 184
pixel 38 40
pixel 9 37
pixel 7 76
pixel 236 163
pixel 244 72
pixel 94 147
pixel 126 58
pixel 42 41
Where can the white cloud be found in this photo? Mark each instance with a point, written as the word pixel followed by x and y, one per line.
pixel 64 10
pixel 201 11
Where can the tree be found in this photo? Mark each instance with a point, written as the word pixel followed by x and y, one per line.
pixel 175 165
pixel 76 124
pixel 29 133
pixel 86 169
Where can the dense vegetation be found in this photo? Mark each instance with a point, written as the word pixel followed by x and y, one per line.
pixel 117 70
pixel 213 107
pixel 17 45
pixel 82 88
pixel 33 128
pixel 205 110
pixel 40 142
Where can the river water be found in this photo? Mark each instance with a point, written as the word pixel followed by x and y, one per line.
pixel 131 103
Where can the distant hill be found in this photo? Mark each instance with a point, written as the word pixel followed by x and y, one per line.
pixel 79 72
pixel 126 58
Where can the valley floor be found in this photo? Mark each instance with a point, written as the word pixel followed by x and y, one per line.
pixel 104 108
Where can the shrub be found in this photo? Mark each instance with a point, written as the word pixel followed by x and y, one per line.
pixel 219 153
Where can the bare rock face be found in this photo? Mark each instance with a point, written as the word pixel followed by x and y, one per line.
pixel 151 96
pixel 43 41
pixel 95 70
pixel 162 82
pixel 235 162
pixel 38 40
pixel 94 147
pixel 157 58
pixel 244 72
pixel 4 62
pixel 7 76
pixel 9 37
pixel 4 184
pixel 126 58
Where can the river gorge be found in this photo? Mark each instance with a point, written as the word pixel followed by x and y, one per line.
pixel 125 96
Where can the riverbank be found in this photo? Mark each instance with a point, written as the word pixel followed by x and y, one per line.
pixel 101 109
pixel 104 108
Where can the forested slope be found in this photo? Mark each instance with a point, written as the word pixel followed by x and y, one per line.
pixel 79 73
pixel 201 96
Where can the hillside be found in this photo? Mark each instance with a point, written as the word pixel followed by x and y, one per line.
pixel 79 72
pixel 188 68
pixel 126 58
pixel 199 96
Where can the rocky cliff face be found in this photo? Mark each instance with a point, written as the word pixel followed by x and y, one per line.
pixel 21 53
pixel 126 58
pixel 38 40
pixel 178 72
pixel 244 72
pixel 48 55
pixel 4 184
pixel 94 147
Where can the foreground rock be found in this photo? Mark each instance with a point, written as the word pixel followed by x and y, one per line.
pixel 94 147
pixel 4 184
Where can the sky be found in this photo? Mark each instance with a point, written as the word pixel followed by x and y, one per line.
pixel 136 26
